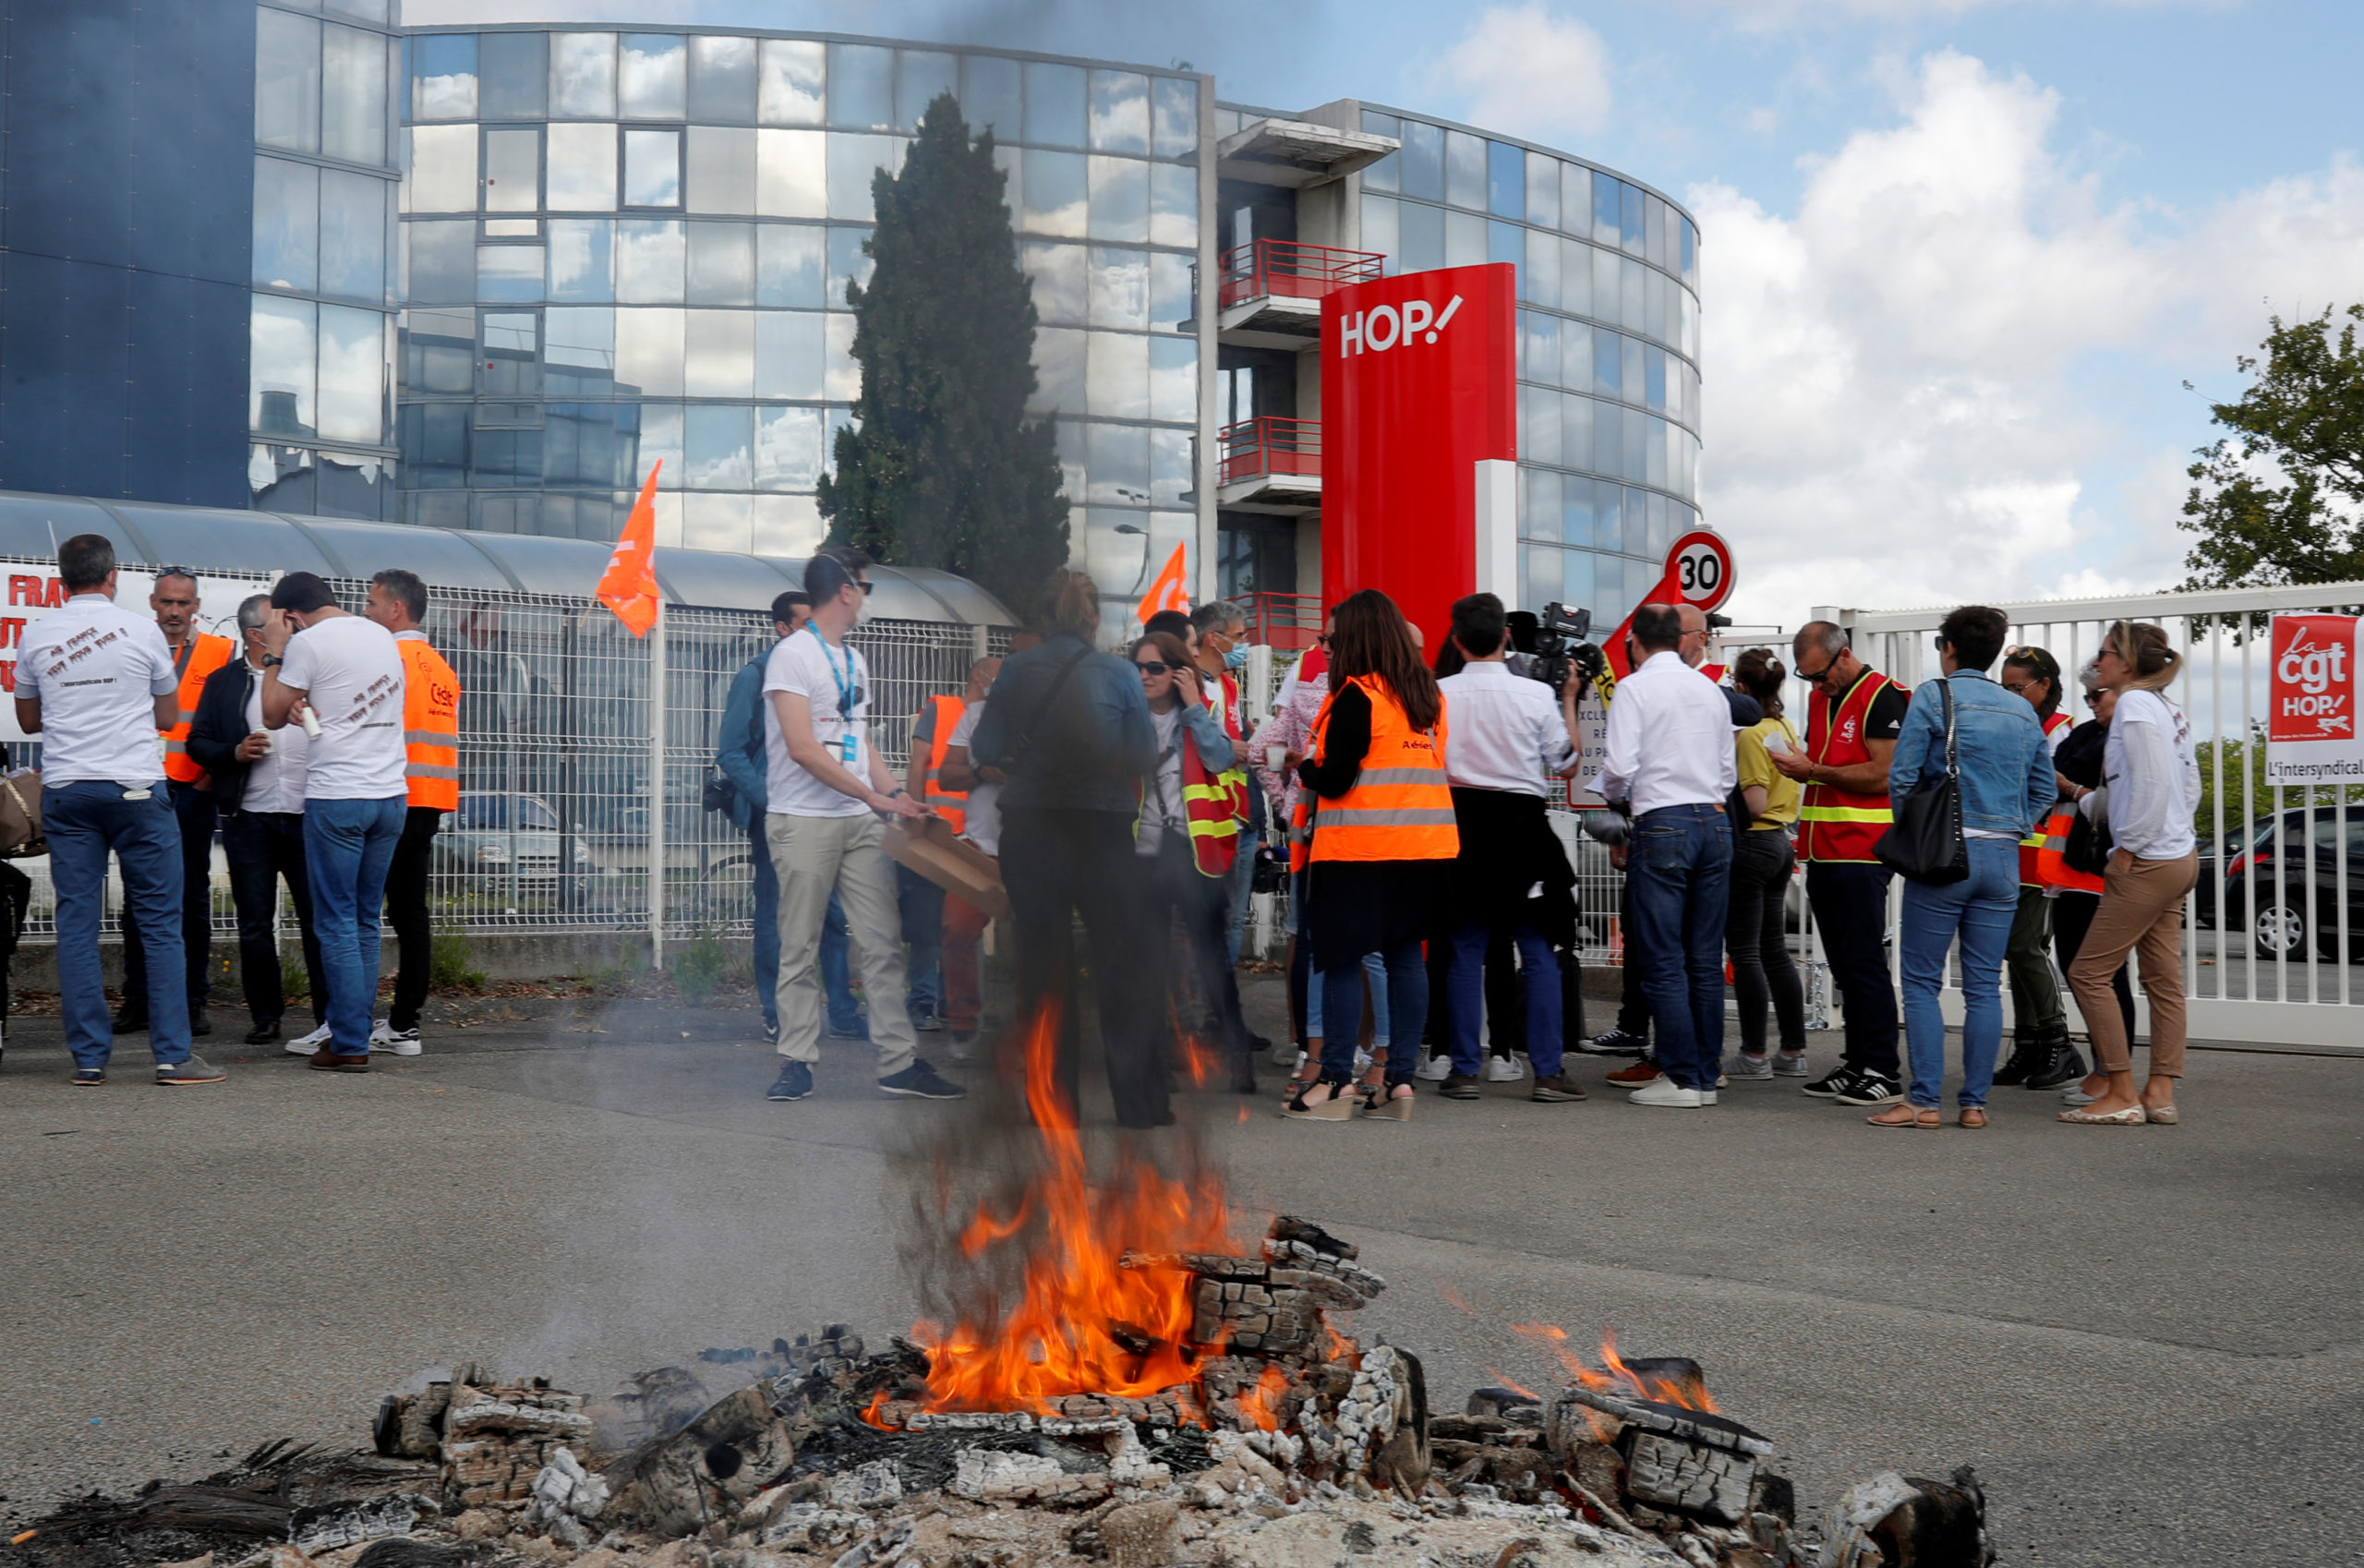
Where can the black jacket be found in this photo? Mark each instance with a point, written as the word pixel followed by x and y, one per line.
pixel 219 725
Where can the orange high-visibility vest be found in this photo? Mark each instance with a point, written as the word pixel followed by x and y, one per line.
pixel 430 724
pixel 1208 808
pixel 200 657
pixel 2032 847
pixel 1835 824
pixel 1400 807
pixel 952 805
pixel 2052 860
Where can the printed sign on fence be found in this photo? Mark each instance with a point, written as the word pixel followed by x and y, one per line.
pixel 34 590
pixel 2311 712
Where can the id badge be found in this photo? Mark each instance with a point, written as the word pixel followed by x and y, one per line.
pixel 846 750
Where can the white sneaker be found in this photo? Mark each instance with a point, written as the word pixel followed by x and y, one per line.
pixel 1667 1094
pixel 399 1041
pixel 1286 1055
pixel 1506 1070
pixel 1437 1068
pixel 310 1042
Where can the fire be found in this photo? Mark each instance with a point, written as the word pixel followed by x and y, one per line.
pixel 1082 1325
pixel 1687 1390
pixel 1260 1406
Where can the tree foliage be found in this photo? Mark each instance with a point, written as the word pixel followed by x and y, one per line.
pixel 2280 499
pixel 942 467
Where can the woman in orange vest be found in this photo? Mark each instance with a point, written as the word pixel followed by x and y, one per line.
pixel 1381 844
pixel 2042 1056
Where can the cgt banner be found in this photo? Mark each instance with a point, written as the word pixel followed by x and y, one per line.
pixel 2311 734
pixel 34 591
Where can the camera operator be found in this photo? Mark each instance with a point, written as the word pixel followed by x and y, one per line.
pixel 1511 876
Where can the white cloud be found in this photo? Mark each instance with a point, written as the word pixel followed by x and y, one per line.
pixel 1523 70
pixel 1893 415
pixel 1767 13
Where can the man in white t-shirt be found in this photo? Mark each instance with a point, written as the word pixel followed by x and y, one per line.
pixel 826 791
pixel 96 683
pixel 349 672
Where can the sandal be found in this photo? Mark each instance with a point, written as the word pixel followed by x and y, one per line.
pixel 1337 1108
pixel 1968 1113
pixel 1382 1102
pixel 1906 1116
pixel 2133 1115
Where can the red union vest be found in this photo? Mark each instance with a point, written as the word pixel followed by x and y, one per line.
pixel 952 805
pixel 1835 824
pixel 200 657
pixel 1207 807
pixel 2032 847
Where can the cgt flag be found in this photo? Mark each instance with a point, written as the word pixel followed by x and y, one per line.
pixel 2314 684
pixel 1169 592
pixel 629 585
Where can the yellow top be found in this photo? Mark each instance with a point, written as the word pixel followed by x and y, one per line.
pixel 1781 792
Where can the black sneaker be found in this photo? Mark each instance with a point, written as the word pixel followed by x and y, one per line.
pixel 129 1019
pixel 1458 1086
pixel 263 1034
pixel 1552 1089
pixel 88 1078
pixel 921 1080
pixel 2030 1052
pixel 2060 1065
pixel 1830 1088
pixel 795 1081
pixel 1870 1088
pixel 198 1023
pixel 1616 1043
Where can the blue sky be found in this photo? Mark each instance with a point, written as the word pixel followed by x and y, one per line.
pixel 1959 255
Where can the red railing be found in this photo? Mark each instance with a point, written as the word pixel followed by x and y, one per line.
pixel 1300 272
pixel 1288 621
pixel 1256 447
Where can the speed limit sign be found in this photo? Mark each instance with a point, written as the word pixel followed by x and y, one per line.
pixel 1699 568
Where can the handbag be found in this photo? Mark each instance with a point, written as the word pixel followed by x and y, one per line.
pixel 2089 844
pixel 1924 844
pixel 20 831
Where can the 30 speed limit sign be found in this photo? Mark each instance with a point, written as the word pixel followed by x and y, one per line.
pixel 1699 567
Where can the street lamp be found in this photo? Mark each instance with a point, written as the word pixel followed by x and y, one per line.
pixel 1143 576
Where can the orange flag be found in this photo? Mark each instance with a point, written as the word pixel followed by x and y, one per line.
pixel 629 585
pixel 1169 592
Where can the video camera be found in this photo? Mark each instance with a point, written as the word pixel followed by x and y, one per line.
pixel 1555 645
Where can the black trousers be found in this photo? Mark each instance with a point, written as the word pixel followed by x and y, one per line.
pixel 406 912
pixel 2073 916
pixel 1755 929
pixel 1179 893
pixel 1850 899
pixel 1058 865
pixel 194 809
pixel 266 847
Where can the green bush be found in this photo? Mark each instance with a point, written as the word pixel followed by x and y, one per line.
pixel 295 979
pixel 697 972
pixel 453 969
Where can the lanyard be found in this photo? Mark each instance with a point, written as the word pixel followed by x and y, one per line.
pixel 847 689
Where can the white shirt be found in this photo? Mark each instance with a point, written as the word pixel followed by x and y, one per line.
pixel 349 669
pixel 836 682
pixel 980 818
pixel 97 671
pixel 1506 732
pixel 275 779
pixel 2152 771
pixel 1670 739
pixel 1162 801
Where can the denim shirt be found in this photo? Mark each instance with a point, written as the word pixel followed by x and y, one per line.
pixel 1090 739
pixel 2007 783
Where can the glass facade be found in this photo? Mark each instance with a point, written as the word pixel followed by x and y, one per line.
pixel 624 246
pixel 319 401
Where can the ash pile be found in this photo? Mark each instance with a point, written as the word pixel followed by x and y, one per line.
pixel 1294 1447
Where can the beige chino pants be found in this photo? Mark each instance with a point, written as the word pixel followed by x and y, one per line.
pixel 2141 913
pixel 813 856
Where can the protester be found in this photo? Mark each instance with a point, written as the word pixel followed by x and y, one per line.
pixel 1511 879
pixel 1670 760
pixel 825 794
pixel 1382 842
pixel 196 655
pixel 1223 655
pixel 2153 774
pixel 964 923
pixel 349 672
pixel 258 776
pixel 397 601
pixel 1756 926
pixel 1068 727
pixel 1188 839
pixel 2042 1056
pixel 2002 766
pixel 738 755
pixel 920 902
pixel 96 683
pixel 2079 764
pixel 1851 726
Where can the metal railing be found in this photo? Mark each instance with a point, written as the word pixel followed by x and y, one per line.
pixel 1288 621
pixel 1284 267
pixel 1255 448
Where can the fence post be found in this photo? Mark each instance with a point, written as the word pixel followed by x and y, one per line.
pixel 657 698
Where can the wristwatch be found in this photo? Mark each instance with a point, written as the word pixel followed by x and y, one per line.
pixel 270 660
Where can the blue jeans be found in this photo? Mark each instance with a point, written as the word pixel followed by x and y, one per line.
pixel 920 904
pixel 1403 1005
pixel 1679 874
pixel 348 845
pixel 1317 1021
pixel 1243 886
pixel 1980 906
pixel 767 934
pixel 836 973
pixel 85 822
pixel 1539 973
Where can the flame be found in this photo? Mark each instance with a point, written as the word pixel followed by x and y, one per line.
pixel 1260 1407
pixel 1082 1325
pixel 1454 1296
pixel 1690 1393
pixel 1523 1392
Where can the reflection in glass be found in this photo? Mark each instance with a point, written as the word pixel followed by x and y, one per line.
pixel 1607 365
pixel 1464 170
pixel 1575 356
pixel 787 353
pixel 722 169
pixel 848 264
pixel 722 79
pixel 1654 232
pixel 1119 288
pixel 1575 200
pixel 444 169
pixel 990 98
pixel 1173 204
pixel 443 261
pixel 1505 180
pixel 1607 204
pixel 716 444
pixel 1465 240
pixel 1542 173
pixel 1654 303
pixel 581 265
pixel 660 441
pixel 717 522
pixel 842 375
pixel 788 449
pixel 1688 259
pixel 648 351
pixel 512 171
pixel 1575 277
pixel 1575 512
pixel 1607 291
pixel 1654 378
pixel 652 168
pixel 1058 365
pixel 1421 234
pixel 287 227
pixel 649 256
pixel 1119 112
pixel 443 75
pixel 1608 517
pixel 579 352
pixel 582 75
pixel 722 264
pixel 788 267
pixel 1539 502
pixel 362 10
pixel 353 236
pixel 1169 291
pixel 1169 467
pixel 1423 167
pixel 1631 382
pixel 1654 447
pixel 788 525
pixel 510 273
pixel 861 87
pixel 1635 461
pixel 514 75
pixel 792 174
pixel 1540 354
pixel 352 374
pixel 1577 431
pixel 1174 379
pixel 1117 462
pixel 582 168
pixel 854 162
pixel 1633 306
pixel 721 354
pixel 1538 424
pixel 1539 276
pixel 789 87
pixel 281 359
pixel 920 76
pixel 1057 272
pixel 1054 104
pixel 1054 189
pixel 1173 103
pixel 1117 385
pixel 1379 228
pixel 352 125
pixel 652 78
pixel 1506 243
pixel 1631 231
pixel 1120 199
pixel 1577 584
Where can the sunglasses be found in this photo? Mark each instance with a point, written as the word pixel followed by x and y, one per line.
pixel 1152 666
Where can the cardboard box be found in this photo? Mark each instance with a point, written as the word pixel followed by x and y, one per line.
pixel 954 865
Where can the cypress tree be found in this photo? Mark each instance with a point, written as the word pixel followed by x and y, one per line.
pixel 942 467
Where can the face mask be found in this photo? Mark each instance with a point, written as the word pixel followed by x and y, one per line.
pixel 1236 659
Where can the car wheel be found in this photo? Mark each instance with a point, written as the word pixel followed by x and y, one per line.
pixel 2280 931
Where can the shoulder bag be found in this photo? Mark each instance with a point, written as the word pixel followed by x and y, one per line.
pixel 20 830
pixel 1925 843
pixel 2089 843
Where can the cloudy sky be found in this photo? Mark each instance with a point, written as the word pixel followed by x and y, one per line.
pixel 1959 256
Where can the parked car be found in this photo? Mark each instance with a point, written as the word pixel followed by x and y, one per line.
pixel 2266 880
pixel 504 837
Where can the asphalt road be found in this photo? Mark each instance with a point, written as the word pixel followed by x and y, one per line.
pixel 2147 1340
